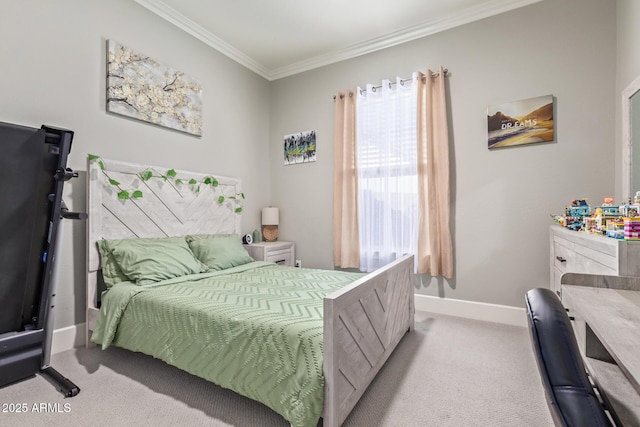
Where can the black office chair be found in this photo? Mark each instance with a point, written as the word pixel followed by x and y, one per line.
pixel 571 398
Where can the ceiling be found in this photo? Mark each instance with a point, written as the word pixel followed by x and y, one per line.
pixel 279 38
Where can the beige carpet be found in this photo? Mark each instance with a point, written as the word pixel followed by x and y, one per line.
pixel 448 372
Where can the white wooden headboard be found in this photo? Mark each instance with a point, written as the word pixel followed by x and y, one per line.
pixel 168 207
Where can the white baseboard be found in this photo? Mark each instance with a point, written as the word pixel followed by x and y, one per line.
pixel 472 310
pixel 67 338
pixel 74 336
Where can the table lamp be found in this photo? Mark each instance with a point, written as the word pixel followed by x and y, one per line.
pixel 270 221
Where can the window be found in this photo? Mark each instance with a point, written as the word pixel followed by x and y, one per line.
pixel 386 159
pixel 391 193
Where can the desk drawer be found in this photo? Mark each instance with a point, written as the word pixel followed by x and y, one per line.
pixel 563 257
pixel 579 259
pixel 578 324
pixel 555 280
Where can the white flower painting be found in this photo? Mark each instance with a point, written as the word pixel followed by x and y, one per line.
pixel 142 88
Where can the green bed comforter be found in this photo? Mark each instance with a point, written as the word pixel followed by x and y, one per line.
pixel 255 329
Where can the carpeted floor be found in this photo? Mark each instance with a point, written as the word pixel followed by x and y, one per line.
pixel 448 372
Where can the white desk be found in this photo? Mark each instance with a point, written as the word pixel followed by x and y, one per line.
pixel 607 324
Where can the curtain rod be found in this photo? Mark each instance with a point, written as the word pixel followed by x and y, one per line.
pixel 433 74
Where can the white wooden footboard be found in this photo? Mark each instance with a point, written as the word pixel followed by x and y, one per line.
pixel 363 323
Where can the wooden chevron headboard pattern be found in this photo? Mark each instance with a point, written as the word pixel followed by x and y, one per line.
pixel 170 206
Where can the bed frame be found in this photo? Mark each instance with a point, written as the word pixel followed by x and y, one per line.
pixel 363 322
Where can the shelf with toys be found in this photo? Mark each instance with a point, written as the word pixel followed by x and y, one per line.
pixel 616 221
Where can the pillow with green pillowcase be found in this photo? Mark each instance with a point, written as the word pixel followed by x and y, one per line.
pixel 150 260
pixel 111 272
pixel 219 251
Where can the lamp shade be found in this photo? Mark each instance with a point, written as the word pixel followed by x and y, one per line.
pixel 270 216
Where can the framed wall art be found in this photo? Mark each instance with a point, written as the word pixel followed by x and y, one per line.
pixel 142 88
pixel 527 121
pixel 300 147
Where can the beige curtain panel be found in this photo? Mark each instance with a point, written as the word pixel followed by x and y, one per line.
pixel 346 242
pixel 435 251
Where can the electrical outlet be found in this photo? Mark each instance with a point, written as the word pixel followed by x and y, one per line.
pixel 298 263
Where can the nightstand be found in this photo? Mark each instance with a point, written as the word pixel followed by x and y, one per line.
pixel 282 253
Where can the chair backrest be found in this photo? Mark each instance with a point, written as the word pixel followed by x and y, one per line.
pixel 570 396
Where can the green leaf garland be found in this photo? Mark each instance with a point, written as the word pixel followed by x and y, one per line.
pixel 172 175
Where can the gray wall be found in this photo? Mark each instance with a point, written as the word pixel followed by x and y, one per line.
pixel 501 199
pixel 53 72
pixel 628 67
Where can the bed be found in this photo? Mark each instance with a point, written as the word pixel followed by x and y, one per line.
pixel 350 324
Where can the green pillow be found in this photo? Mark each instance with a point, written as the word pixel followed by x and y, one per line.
pixel 150 260
pixel 111 272
pixel 219 251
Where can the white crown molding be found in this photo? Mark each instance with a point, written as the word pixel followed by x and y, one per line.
pixel 179 20
pixel 406 35
pixel 472 14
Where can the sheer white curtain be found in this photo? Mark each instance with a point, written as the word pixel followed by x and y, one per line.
pixel 387 171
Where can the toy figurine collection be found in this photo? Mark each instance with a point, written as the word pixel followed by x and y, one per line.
pixel 617 221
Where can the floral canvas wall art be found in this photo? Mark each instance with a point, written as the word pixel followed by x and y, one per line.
pixel 142 88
